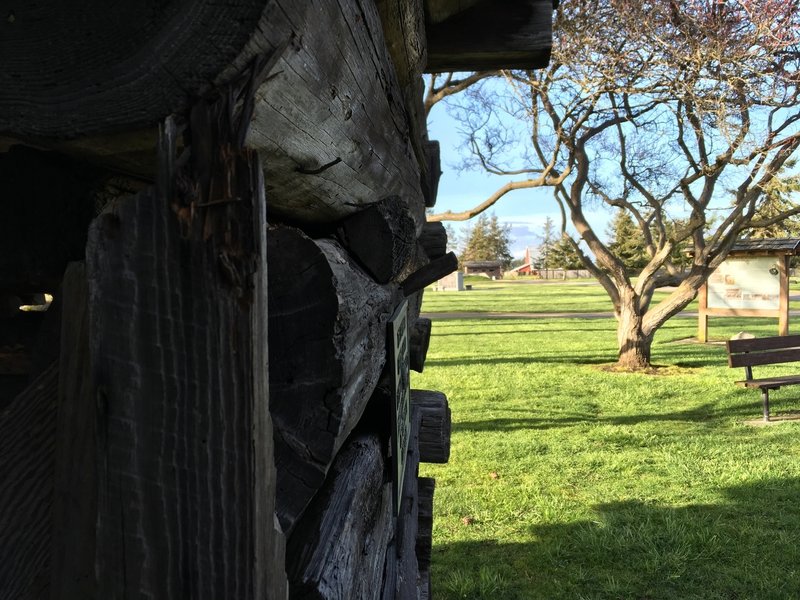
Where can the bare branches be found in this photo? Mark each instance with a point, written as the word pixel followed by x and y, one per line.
pixel 679 113
pixel 490 201
pixel 440 90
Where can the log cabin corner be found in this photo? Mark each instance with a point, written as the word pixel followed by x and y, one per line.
pixel 226 202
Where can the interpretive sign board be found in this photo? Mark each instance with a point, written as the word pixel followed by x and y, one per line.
pixel 401 397
pixel 746 283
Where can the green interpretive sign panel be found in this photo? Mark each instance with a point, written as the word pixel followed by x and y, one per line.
pixel 401 397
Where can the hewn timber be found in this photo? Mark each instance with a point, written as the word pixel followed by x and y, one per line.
pixel 27 432
pixel 425 489
pixel 381 237
pixel 330 121
pixel 179 362
pixel 434 426
pixel 436 269
pixel 120 68
pixel 420 338
pixel 327 347
pixel 490 34
pixel 434 240
pixel 75 500
pixel 339 547
pixel 432 172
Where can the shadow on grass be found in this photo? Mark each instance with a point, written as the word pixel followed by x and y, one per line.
pixel 742 547
pixel 542 329
pixel 588 359
pixel 702 413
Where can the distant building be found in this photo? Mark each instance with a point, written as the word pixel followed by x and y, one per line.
pixel 526 268
pixel 491 268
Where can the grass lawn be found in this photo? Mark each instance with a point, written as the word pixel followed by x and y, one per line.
pixel 569 482
pixel 581 295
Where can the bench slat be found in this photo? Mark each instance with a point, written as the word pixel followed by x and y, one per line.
pixel 764 343
pixel 752 359
pixel 770 382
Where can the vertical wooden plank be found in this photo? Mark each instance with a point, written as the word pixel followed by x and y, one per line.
pixel 75 499
pixel 185 470
pixel 702 314
pixel 27 426
pixel 783 316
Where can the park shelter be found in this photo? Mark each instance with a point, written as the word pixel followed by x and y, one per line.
pixel 489 268
pixel 753 281
pixel 227 202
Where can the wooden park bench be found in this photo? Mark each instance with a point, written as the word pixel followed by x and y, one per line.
pixel 752 352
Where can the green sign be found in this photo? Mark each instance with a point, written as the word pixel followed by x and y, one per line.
pixel 401 397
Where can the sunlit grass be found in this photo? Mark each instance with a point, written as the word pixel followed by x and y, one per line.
pixel 569 481
pixel 582 295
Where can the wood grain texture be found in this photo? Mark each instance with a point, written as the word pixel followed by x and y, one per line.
pixel 491 34
pixel 27 432
pixel 426 487
pixel 434 425
pixel 331 121
pixel 122 66
pixel 339 547
pixel 327 348
pixel 382 238
pixel 436 269
pixel 177 300
pixel 434 240
pixel 75 500
pixel 420 338
pixel 432 173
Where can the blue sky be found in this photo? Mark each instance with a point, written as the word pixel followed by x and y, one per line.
pixel 524 210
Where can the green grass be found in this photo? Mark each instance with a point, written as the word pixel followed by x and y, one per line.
pixel 524 296
pixel 607 485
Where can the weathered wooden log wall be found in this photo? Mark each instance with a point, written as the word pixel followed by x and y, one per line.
pixel 227 201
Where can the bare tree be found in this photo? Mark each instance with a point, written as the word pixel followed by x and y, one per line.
pixel 679 113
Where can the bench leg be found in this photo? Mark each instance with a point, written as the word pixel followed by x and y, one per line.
pixel 765 399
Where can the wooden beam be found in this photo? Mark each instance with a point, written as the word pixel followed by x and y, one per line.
pixel 121 67
pixel 330 118
pixel 339 547
pixel 331 121
pixel 27 431
pixel 75 503
pixel 327 323
pixel 382 237
pixel 434 240
pixel 492 34
pixel 434 425
pixel 179 362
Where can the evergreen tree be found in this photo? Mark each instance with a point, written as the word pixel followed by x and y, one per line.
pixel 487 239
pixel 780 196
pixel 543 260
pixel 563 255
pixel 627 241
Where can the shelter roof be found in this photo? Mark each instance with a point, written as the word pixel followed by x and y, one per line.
pixel 767 246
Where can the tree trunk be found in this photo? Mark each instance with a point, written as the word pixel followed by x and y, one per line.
pixel 634 344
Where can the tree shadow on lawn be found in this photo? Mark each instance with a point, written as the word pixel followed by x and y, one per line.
pixel 587 359
pixel 743 547
pixel 542 329
pixel 703 412
pixel 707 412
